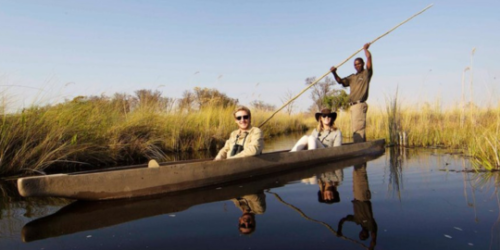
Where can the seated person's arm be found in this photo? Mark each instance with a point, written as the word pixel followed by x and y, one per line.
pixel 314 133
pixel 338 140
pixel 224 150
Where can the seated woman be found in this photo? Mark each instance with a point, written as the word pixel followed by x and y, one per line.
pixel 325 135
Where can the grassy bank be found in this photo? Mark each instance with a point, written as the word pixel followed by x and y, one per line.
pixel 107 132
pixel 475 132
pixel 101 131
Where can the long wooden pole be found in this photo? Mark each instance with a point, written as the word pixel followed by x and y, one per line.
pixel 327 73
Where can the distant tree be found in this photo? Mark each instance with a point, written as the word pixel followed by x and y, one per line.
pixel 148 97
pixel 337 99
pixel 260 105
pixel 319 91
pixel 88 99
pixel 205 97
pixel 154 99
pixel 78 99
pixel 186 102
pixel 168 104
pixel 287 97
pixel 124 102
pixel 98 98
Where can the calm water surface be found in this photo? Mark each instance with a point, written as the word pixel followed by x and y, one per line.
pixel 403 199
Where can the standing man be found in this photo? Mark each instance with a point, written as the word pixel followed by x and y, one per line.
pixel 359 84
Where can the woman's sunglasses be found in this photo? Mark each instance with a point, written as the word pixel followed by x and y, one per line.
pixel 245 117
pixel 324 116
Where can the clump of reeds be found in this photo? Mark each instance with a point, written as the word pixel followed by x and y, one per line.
pixel 485 150
pixel 393 121
pixel 429 126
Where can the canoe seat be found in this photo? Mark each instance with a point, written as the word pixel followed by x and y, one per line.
pixel 153 164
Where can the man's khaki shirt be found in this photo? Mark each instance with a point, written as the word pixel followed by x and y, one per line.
pixel 251 203
pixel 359 84
pixel 254 143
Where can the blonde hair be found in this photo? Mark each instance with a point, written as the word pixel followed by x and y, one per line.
pixel 320 126
pixel 242 108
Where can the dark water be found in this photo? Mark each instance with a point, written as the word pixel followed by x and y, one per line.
pixel 404 199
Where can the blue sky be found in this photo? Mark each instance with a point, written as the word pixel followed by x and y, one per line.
pixel 250 50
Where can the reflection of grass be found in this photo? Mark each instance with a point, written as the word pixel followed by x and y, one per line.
pixel 10 201
pixel 15 210
pixel 396 161
pixel 485 179
pixel 103 131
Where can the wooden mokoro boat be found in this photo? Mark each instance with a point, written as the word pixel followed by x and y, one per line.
pixel 81 216
pixel 180 176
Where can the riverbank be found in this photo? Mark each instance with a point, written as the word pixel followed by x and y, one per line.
pixel 98 131
pixel 109 132
pixel 472 130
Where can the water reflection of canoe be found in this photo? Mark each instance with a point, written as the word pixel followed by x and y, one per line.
pixel 180 176
pixel 84 216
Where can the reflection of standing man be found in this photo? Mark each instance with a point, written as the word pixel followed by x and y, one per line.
pixel 250 205
pixel 359 84
pixel 362 206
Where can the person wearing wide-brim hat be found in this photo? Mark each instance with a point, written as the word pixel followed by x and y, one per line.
pixel 325 135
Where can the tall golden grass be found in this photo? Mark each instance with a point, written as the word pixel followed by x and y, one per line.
pixel 431 126
pixel 108 132
pixel 104 132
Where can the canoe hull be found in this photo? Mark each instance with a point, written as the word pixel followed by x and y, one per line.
pixel 183 176
pixel 84 216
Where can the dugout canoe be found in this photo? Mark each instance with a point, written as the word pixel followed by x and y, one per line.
pixel 180 176
pixel 81 216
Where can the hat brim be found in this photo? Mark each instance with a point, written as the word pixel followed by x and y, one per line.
pixel 332 115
